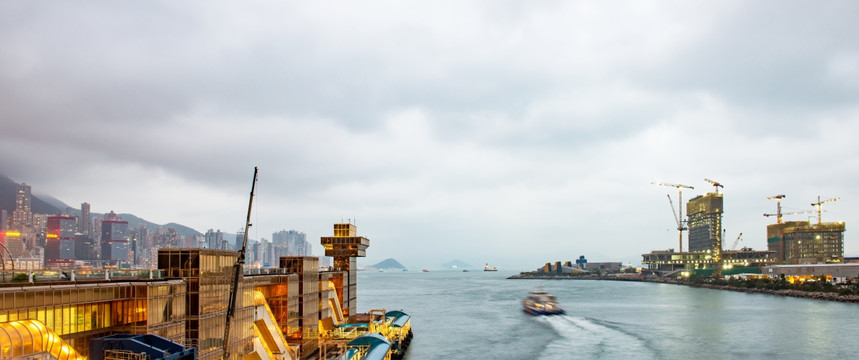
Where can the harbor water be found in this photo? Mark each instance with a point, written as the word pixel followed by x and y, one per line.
pixel 478 315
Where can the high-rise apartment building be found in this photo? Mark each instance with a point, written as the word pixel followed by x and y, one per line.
pixel 85 247
pixel 704 213
pixel 214 239
pixel 22 216
pixel 290 243
pixel 60 241
pixel 114 240
pixel 85 222
pixel 4 220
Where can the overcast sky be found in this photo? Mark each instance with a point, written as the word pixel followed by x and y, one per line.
pixel 504 132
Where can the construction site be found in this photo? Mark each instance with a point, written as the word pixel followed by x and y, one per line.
pixel 791 242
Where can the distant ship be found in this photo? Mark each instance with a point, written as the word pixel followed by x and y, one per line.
pixel 487 268
pixel 541 303
pixel 425 270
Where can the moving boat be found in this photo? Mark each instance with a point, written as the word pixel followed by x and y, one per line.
pixel 487 268
pixel 541 303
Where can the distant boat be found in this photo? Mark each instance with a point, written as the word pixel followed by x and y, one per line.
pixel 487 268
pixel 425 270
pixel 464 270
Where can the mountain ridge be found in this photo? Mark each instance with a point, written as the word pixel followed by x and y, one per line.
pixel 49 205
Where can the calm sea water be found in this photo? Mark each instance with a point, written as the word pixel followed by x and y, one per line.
pixel 477 315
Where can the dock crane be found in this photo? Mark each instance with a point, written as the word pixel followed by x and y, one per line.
pixel 716 185
pixel 680 226
pixel 238 267
pixel 818 206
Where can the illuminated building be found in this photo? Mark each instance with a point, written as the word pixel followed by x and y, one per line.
pixel 279 314
pixel 837 273
pixel 77 313
pixel 114 240
pixel 12 243
pixel 22 215
pixel 345 246
pixel 60 241
pixel 309 299
pixel 799 242
pixel 704 213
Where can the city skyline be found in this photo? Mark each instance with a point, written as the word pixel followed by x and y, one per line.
pixel 488 132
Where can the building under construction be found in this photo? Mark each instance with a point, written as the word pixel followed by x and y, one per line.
pixel 294 311
pixel 706 254
pixel 800 242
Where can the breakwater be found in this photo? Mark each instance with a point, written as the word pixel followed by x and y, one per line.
pixel 816 295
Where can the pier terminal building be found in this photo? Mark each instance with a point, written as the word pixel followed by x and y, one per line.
pixel 294 311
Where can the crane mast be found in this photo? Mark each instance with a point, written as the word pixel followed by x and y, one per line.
pixel 777 199
pixel 680 226
pixel 818 205
pixel 237 269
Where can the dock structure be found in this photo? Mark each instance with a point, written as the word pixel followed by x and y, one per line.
pixel 288 312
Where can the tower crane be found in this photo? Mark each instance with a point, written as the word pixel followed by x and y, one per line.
pixel 777 199
pixel 679 218
pixel 819 203
pixel 716 185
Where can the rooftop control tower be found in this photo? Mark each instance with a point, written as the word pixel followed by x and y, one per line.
pixel 345 246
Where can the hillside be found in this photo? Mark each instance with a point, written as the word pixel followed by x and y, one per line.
pixel 388 264
pixel 51 205
pixel 8 191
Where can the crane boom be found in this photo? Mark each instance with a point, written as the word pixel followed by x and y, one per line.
pixel 716 184
pixel 778 213
pixel 671 205
pixel 739 238
pixel 818 205
pixel 238 267
pixel 680 227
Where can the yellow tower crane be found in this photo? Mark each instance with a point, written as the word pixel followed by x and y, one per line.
pixel 818 206
pixel 716 184
pixel 679 219
pixel 777 199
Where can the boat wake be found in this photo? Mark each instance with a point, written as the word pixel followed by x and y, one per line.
pixel 592 339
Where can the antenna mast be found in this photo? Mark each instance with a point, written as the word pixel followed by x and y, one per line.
pixel 238 268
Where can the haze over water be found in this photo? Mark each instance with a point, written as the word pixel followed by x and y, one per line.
pixel 457 315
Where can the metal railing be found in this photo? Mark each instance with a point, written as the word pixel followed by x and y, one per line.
pixel 37 276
